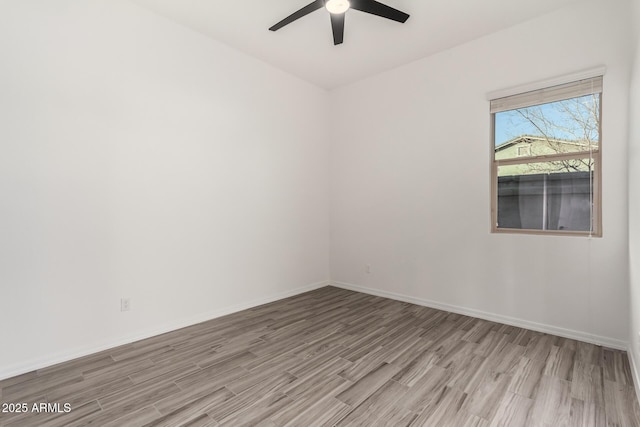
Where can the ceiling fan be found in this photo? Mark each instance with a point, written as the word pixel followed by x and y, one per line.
pixel 337 10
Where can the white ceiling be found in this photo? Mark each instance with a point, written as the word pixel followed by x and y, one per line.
pixel 371 44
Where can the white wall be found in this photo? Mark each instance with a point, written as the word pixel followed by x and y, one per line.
pixel 634 199
pixel 410 168
pixel 140 159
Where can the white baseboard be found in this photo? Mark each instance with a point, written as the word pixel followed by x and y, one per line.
pixel 50 360
pixel 634 372
pixel 521 323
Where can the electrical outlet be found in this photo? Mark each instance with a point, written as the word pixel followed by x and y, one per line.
pixel 367 268
pixel 125 304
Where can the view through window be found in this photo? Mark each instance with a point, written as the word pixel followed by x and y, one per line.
pixel 546 160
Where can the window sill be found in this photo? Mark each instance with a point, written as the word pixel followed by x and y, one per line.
pixel 496 230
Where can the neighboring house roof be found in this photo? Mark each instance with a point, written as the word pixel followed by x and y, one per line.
pixel 529 146
pixel 536 138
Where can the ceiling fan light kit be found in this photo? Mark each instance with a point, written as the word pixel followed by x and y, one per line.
pixel 337 10
pixel 337 6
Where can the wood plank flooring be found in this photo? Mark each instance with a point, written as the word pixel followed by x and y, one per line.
pixel 335 357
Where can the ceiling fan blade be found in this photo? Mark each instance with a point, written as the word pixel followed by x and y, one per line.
pixel 337 25
pixel 311 7
pixel 376 8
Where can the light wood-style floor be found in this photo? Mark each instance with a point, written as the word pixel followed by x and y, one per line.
pixel 335 357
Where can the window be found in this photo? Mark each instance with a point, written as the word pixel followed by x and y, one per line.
pixel 524 150
pixel 546 165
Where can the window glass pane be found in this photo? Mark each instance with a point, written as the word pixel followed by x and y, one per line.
pixel 568 126
pixel 554 195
